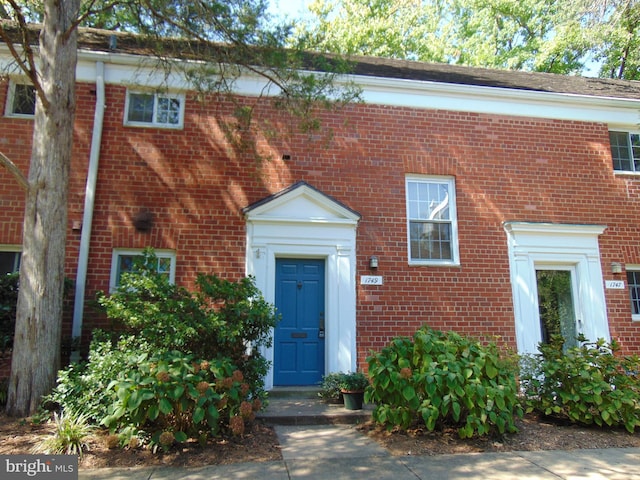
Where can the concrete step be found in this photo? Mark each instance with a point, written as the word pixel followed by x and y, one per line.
pixel 286 408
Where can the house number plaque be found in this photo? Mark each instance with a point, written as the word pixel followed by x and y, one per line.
pixel 371 280
pixel 617 284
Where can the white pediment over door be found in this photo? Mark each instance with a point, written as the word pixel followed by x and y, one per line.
pixel 303 203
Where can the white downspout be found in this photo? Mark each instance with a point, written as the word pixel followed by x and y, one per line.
pixel 89 201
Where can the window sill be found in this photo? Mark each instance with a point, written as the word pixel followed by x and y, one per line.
pixel 153 125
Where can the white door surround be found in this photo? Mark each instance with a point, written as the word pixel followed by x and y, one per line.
pixel 543 245
pixel 302 222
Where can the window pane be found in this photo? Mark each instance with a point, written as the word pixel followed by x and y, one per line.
pixel 168 110
pixel 9 262
pixel 24 100
pixel 556 309
pixel 635 150
pixel 164 266
pixel 633 280
pixel 620 151
pixel 140 108
pixel 430 241
pixel 428 201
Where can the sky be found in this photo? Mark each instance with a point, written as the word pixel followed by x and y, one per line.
pixel 291 8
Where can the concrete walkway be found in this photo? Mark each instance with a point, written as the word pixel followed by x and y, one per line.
pixel 341 452
pixel 319 441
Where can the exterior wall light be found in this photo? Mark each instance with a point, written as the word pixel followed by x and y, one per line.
pixel 616 267
pixel 373 262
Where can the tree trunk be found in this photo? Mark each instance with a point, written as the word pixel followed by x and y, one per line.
pixel 36 350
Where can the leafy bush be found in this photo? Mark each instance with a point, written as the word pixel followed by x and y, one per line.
pixel 588 384
pixel 83 386
pixel 222 319
pixel 8 300
pixel 330 389
pixel 173 396
pixel 68 437
pixel 443 379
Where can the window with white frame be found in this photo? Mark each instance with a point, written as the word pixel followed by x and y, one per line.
pixel 21 100
pixel 633 283
pixel 431 218
pixel 9 260
pixel 625 151
pixel 163 110
pixel 124 261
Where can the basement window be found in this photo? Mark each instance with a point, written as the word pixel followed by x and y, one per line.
pixel 145 109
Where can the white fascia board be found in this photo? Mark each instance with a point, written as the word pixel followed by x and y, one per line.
pixel 125 69
pixel 500 101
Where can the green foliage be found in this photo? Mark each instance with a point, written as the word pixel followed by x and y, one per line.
pixel 353 382
pixel 83 386
pixel 186 366
pixel 588 384
pixel 330 389
pixel 173 393
pixel 8 300
pixel 223 319
pixel 443 379
pixel 69 435
pixel 4 388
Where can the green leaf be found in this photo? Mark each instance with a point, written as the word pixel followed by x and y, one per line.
pixel 165 406
pixel 198 415
pixel 181 437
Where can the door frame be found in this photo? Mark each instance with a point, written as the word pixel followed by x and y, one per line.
pixel 534 245
pixel 302 222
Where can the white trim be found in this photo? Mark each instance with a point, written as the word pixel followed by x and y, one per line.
pixel 126 69
pixel 303 223
pixel 534 245
pixel 138 252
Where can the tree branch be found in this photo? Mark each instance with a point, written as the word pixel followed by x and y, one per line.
pixel 14 170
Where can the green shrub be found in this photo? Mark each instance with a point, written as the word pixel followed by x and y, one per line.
pixel 8 300
pixel 173 396
pixel 223 319
pixel 330 389
pixel 68 437
pixel 83 386
pixel 588 384
pixel 443 379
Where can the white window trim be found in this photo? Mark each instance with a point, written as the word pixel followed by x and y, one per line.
pixel 629 173
pixel 631 268
pixel 121 251
pixel 11 92
pixel 153 123
pixel 453 212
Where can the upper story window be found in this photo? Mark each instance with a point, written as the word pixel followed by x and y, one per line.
pixel 625 151
pixel 21 100
pixel 9 261
pixel 124 261
pixel 154 110
pixel 432 222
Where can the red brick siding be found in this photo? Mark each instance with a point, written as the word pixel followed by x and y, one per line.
pixel 196 183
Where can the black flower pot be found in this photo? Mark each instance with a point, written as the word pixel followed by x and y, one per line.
pixel 353 400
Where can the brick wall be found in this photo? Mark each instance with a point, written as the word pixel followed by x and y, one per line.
pixel 196 182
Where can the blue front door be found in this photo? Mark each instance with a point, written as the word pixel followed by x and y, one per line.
pixel 299 336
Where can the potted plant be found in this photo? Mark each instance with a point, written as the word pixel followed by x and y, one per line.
pixel 352 386
pixel 330 389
